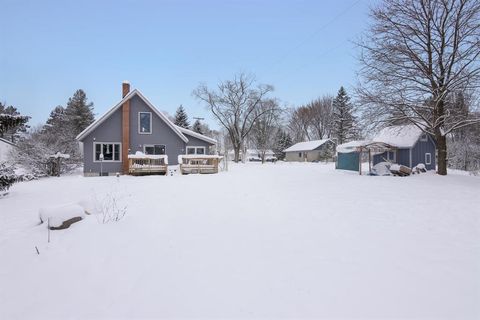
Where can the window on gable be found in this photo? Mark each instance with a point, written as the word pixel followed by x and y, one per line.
pixel 110 151
pixel 154 149
pixel 424 137
pixel 144 122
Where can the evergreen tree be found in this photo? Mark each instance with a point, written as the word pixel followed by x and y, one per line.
pixel 79 112
pixel 56 129
pixel 11 122
pixel 181 118
pixel 197 127
pixel 7 178
pixel 282 142
pixel 344 127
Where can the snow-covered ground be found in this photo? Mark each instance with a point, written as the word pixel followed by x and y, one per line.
pixel 264 241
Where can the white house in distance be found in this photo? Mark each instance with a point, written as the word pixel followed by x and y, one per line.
pixel 5 148
pixel 310 151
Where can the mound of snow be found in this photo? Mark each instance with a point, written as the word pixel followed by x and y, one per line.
pixel 382 169
pixel 59 214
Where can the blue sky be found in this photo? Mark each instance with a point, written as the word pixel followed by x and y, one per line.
pixel 167 48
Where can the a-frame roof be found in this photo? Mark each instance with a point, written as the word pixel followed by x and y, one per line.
pixel 136 92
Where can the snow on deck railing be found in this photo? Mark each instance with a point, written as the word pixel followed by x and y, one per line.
pixel 197 156
pixel 141 155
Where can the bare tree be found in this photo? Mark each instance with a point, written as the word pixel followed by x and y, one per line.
pixel 414 56
pixel 299 124
pixel 321 113
pixel 312 121
pixel 235 104
pixel 266 126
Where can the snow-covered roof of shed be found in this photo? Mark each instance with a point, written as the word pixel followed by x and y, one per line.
pixel 351 146
pixel 7 142
pixel 306 145
pixel 404 136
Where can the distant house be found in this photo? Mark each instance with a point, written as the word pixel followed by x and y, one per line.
pixel 411 146
pixel 134 126
pixel 5 148
pixel 309 151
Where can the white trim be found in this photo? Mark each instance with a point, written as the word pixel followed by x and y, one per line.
pixel 105 116
pixel 138 122
pixel 113 143
pixel 197 135
pixel 196 147
pixel 429 156
pixel 394 160
pixel 153 145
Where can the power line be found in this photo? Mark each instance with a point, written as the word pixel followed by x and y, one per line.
pixel 317 31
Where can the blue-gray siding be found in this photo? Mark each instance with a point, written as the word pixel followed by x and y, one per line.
pixel 411 157
pixel 110 130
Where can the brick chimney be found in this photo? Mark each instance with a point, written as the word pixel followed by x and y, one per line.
pixel 125 127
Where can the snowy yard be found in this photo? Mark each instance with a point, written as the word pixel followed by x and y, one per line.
pixel 268 241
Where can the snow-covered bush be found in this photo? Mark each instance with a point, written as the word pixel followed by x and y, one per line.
pixel 7 177
pixel 110 208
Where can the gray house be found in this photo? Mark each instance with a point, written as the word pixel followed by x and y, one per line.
pixel 310 151
pixel 135 125
pixel 411 146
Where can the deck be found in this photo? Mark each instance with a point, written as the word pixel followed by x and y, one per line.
pixel 199 163
pixel 147 164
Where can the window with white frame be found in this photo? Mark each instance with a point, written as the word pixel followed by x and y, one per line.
pixel 144 122
pixel 428 158
pixel 155 149
pixel 424 137
pixel 195 150
pixel 111 151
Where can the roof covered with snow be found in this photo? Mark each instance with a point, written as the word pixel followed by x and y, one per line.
pixel 197 135
pixel 176 129
pixel 6 141
pixel 404 136
pixel 306 145
pixel 351 146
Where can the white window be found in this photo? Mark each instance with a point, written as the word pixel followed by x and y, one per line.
pixel 110 151
pixel 424 137
pixel 391 156
pixel 195 150
pixel 145 122
pixel 154 149
pixel 428 158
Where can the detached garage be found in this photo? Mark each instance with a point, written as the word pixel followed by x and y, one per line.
pixel 311 151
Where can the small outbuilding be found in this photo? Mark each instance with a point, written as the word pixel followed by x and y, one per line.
pixel 406 145
pixel 348 155
pixel 311 151
pixel 412 146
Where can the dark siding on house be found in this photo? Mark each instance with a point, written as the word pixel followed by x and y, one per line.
pixel 419 151
pixel 161 132
pixel 108 131
pixel 418 155
pixel 195 142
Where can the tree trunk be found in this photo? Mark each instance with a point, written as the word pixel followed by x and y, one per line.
pixel 442 153
pixel 236 151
